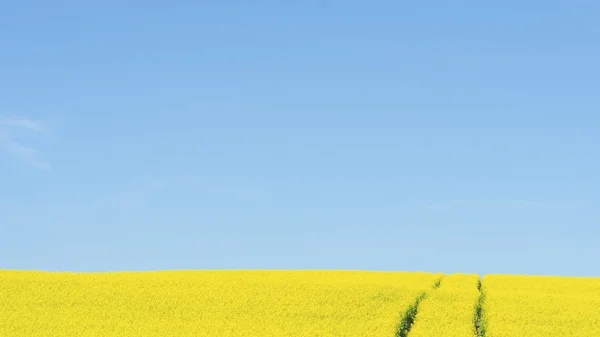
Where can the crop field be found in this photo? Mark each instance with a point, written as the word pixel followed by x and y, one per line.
pixel 295 303
pixel 537 306
pixel 449 310
pixel 207 303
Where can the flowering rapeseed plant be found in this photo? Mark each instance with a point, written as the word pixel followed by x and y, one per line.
pixel 541 306
pixel 449 310
pixel 207 303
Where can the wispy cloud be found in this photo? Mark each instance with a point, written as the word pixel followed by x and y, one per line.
pixel 504 204
pixel 461 203
pixel 141 193
pixel 24 123
pixel 137 195
pixel 9 144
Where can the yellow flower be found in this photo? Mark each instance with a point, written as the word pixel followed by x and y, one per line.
pixel 207 303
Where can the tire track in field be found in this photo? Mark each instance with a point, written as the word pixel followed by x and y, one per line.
pixel 409 316
pixel 478 318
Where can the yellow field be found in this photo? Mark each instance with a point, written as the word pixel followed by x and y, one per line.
pixel 449 310
pixel 536 306
pixel 295 303
pixel 207 303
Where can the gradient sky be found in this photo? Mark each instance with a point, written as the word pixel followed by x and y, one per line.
pixel 444 136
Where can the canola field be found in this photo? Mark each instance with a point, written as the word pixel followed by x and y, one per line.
pixel 207 303
pixel 541 306
pixel 295 303
pixel 449 310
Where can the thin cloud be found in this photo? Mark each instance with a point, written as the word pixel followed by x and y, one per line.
pixel 24 123
pixel 439 207
pixel 138 195
pixel 505 204
pixel 462 203
pixel 525 204
pixel 9 144
pixel 143 192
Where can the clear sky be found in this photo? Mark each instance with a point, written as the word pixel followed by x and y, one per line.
pixel 444 136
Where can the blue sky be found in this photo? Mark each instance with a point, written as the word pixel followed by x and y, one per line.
pixel 445 136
